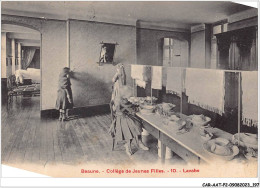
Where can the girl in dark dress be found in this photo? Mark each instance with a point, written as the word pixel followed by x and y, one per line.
pixel 124 126
pixel 64 100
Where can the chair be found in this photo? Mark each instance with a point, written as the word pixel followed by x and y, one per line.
pixel 10 88
pixel 113 118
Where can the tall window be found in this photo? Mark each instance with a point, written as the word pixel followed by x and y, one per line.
pixel 218 27
pixel 171 52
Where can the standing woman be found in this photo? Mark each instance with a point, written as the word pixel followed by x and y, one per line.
pixel 64 100
pixel 124 126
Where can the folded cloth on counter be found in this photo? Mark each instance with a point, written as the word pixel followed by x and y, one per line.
pixel 206 89
pixel 140 83
pixel 249 86
pixel 156 77
pixel 174 80
pixel 137 72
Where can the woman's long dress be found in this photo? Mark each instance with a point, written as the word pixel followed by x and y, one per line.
pixel 62 101
pixel 126 127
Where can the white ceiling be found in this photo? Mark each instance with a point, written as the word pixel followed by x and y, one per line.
pixel 23 35
pixel 15 28
pixel 167 12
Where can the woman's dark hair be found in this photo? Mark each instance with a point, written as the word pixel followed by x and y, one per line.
pixel 66 69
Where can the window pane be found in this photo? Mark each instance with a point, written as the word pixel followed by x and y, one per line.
pixel 213 53
pixel 166 53
pixel 171 53
pixel 225 27
pixel 166 42
pixel 216 29
pixel 171 41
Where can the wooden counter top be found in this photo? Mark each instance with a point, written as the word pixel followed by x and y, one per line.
pixel 192 141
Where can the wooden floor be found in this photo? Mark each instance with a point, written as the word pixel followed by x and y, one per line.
pixel 26 138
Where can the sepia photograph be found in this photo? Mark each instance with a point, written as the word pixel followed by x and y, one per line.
pixel 140 89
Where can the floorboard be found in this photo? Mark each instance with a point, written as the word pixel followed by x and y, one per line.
pixel 26 138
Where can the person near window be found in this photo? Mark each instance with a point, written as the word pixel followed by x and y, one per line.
pixel 103 54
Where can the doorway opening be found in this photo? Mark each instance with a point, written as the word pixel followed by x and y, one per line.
pixel 173 52
pixel 21 67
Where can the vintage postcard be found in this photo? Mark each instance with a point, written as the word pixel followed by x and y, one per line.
pixel 130 88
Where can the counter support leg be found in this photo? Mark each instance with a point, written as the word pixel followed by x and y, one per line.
pixel 163 151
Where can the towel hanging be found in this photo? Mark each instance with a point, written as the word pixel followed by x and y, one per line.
pixel 156 77
pixel 249 85
pixel 205 88
pixel 174 80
